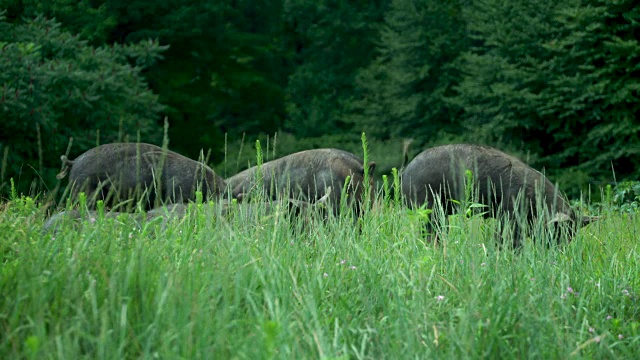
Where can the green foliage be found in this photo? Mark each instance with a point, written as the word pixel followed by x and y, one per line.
pixel 258 175
pixel 626 196
pixel 328 41
pixel 88 18
pixel 397 190
pixel 404 91
pixel 557 78
pixel 223 72
pixel 368 191
pixel 594 89
pixel 55 86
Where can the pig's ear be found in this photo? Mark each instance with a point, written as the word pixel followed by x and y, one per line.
pixel 372 167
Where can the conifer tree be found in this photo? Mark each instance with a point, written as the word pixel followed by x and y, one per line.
pixel 405 91
pixel 329 42
pixel 559 80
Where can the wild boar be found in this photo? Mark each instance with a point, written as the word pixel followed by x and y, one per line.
pixel 511 190
pixel 167 213
pixel 221 211
pixel 120 171
pixel 55 221
pixel 306 175
pixel 294 208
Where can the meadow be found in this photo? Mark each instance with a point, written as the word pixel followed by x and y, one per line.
pixel 262 286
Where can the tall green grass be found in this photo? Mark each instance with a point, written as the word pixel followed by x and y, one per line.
pixel 252 286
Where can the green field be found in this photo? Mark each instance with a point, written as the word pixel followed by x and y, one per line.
pixel 261 286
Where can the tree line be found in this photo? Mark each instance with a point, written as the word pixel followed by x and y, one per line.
pixel 556 83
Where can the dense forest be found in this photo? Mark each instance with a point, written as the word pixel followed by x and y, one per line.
pixel 556 83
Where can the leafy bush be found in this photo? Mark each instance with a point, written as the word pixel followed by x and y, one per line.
pixel 54 86
pixel 626 196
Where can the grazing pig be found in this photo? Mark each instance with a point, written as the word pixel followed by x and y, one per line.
pixel 139 171
pixel 172 211
pixel 222 210
pixel 294 208
pixel 511 189
pixel 306 175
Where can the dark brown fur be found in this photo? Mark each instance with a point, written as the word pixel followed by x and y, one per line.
pixel 498 178
pixel 120 171
pixel 306 175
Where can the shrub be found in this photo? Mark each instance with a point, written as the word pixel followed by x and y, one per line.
pixel 54 86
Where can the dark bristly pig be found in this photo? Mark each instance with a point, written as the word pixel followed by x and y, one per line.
pixel 75 217
pixel 121 171
pixel 220 210
pixel 306 175
pixel 511 190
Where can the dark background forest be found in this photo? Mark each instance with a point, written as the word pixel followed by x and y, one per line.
pixel 556 83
